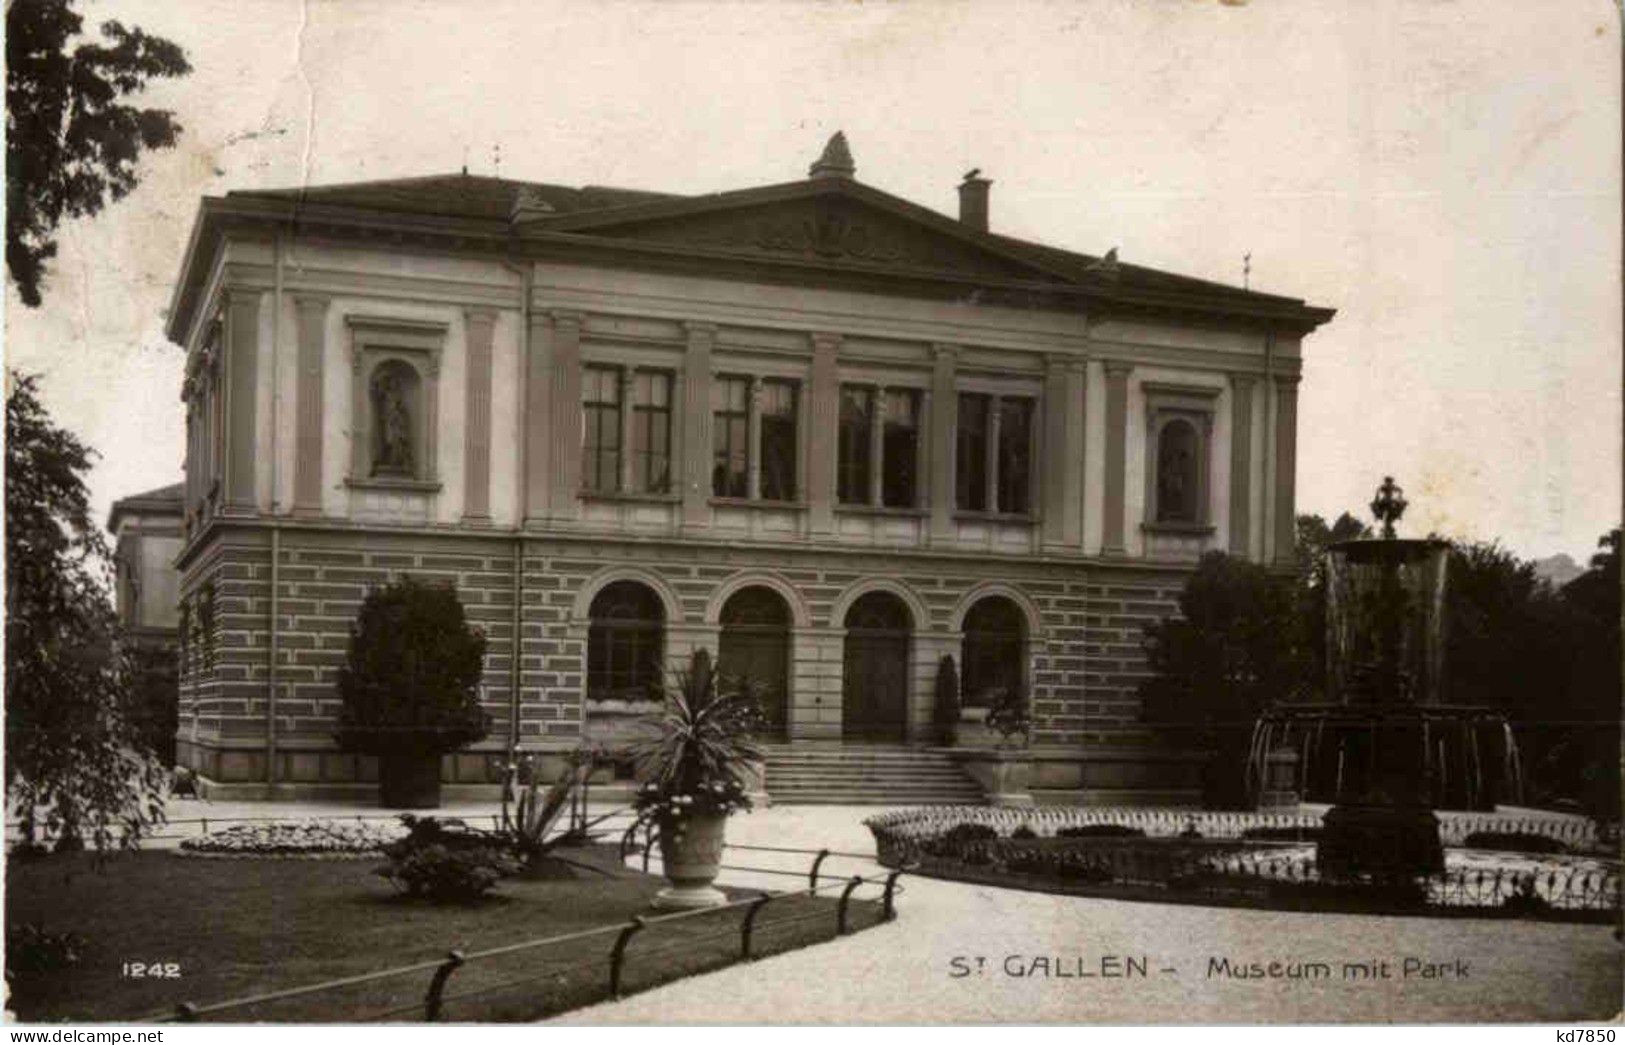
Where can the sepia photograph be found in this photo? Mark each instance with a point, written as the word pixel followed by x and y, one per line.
pixel 795 512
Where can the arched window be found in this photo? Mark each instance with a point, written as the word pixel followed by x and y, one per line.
pixel 396 402
pixel 1178 474
pixel 755 646
pixel 995 641
pixel 624 642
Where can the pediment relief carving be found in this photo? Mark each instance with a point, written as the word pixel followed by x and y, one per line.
pixel 829 231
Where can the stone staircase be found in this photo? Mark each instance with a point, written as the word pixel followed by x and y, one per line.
pixel 866 775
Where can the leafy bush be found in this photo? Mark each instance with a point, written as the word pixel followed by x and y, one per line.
pixel 702 752
pixel 1101 831
pixel 1023 833
pixel 30 948
pixel 957 840
pixel 446 861
pixel 1513 842
pixel 410 681
pixel 444 875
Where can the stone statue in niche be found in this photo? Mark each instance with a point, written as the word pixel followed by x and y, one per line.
pixel 392 415
pixel 1176 475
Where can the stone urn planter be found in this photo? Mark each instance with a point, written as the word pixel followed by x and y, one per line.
pixel 691 853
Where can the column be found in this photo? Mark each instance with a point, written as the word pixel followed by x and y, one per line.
pixel 623 479
pixel 877 443
pixel 566 450
pixel 1286 467
pixel 823 418
pixel 311 310
pixel 753 439
pixel 479 325
pixel 1055 462
pixel 537 426
pixel 944 412
pixel 242 398
pixel 695 445
pixel 1116 457
pixel 1077 387
pixel 1241 463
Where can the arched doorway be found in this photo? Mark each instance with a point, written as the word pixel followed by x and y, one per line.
pixel 995 643
pixel 755 646
pixel 874 676
pixel 624 642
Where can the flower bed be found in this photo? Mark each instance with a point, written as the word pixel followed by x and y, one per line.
pixel 310 840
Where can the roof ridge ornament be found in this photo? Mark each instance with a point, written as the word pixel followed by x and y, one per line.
pixel 836 161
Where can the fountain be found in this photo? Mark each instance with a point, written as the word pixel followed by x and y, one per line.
pixel 1382 747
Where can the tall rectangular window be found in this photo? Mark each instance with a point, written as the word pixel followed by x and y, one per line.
pixel 1015 456
pixel 900 448
pixel 730 437
pixel 970 478
pixel 778 440
pixel 852 460
pixel 651 431
pixel 601 414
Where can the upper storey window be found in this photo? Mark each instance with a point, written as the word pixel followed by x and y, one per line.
pixel 754 438
pixel 879 446
pixel 995 454
pixel 651 431
pixel 730 436
pixel 778 421
pixel 1179 433
pixel 601 414
pixel 626 430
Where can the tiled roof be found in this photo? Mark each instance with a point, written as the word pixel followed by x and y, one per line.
pixel 457 195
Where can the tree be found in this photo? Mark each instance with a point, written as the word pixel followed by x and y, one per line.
pixel 1314 537
pixel 75 762
pixel 71 142
pixel 410 686
pixel 1236 647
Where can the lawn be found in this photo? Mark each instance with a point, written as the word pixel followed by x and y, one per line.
pixel 241 927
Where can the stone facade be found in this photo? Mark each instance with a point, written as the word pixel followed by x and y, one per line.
pixel 471 399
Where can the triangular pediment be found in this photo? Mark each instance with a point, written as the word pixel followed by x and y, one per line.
pixel 845 225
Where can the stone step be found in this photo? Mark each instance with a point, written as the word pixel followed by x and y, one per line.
pixel 867 775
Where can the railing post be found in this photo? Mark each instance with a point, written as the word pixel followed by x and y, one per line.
pixel 437 986
pixel 818 861
pixel 627 840
pixel 648 844
pixel 846 896
pixel 186 1012
pixel 749 925
pixel 618 954
pixel 888 909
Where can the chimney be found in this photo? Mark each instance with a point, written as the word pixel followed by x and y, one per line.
pixel 973 200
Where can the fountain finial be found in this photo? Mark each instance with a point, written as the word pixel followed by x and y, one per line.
pixel 1389 505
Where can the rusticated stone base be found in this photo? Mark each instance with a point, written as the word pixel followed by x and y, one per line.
pixel 1379 843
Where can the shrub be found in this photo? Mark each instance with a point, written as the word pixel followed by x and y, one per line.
pixel 32 949
pixel 445 875
pixel 316 838
pixel 957 840
pixel 1009 717
pixel 946 699
pixel 410 681
pixel 1100 831
pixel 1023 833
pixel 1514 842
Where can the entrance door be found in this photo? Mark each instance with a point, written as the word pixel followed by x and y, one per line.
pixel 874 677
pixel 755 647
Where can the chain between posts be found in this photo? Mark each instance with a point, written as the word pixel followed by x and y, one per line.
pixel 618 954
pixel 437 985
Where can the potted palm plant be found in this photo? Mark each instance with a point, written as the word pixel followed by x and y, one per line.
pixel 695 771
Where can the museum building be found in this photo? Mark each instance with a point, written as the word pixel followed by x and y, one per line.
pixel 824 432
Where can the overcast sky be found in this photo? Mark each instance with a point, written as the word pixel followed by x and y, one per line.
pixel 1445 174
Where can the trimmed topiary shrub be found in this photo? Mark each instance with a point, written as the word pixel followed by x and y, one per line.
pixel 410 686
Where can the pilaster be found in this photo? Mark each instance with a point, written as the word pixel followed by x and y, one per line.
pixel 242 398
pixel 311 310
pixel 1286 467
pixel 944 412
pixel 824 407
pixel 695 445
pixel 537 423
pixel 1241 463
pixel 479 326
pixel 1112 519
pixel 566 440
